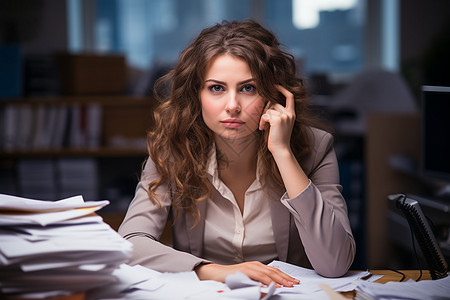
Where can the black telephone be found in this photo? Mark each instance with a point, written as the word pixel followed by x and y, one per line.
pixel 424 235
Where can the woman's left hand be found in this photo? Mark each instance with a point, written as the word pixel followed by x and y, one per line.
pixel 281 121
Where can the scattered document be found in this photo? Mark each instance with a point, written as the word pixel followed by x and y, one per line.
pixel 310 281
pixel 56 248
pixel 137 282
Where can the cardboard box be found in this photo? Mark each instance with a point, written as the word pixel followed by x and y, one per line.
pixel 84 74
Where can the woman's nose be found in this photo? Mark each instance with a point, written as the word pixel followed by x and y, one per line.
pixel 233 105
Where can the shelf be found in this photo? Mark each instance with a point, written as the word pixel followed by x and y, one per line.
pixel 71 126
pixel 104 100
pixel 94 152
pixel 108 132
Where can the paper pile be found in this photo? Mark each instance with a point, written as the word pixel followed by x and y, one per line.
pixel 425 289
pixel 56 248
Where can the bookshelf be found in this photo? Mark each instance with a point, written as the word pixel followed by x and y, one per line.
pixel 115 150
pixel 120 122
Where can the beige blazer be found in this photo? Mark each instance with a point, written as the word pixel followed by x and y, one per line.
pixel 311 230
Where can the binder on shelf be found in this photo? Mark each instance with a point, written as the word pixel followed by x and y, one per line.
pixel 60 130
pixel 78 176
pixel 10 127
pixel 50 126
pixel 94 125
pixel 37 178
pixel 25 127
pixel 76 132
pixel 40 128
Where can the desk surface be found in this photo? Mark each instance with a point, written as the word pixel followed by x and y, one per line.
pixel 388 275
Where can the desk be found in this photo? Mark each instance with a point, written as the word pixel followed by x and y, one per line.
pixel 389 275
pixel 79 296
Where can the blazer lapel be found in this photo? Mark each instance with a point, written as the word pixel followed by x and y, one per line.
pixel 195 233
pixel 281 228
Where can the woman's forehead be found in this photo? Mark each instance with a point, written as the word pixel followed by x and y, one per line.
pixel 222 61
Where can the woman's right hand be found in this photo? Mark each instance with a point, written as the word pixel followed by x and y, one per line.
pixel 254 270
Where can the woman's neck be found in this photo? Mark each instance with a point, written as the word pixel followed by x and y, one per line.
pixel 237 168
pixel 237 154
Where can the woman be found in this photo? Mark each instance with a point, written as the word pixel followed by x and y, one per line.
pixel 239 167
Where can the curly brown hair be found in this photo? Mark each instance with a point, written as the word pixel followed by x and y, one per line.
pixel 180 142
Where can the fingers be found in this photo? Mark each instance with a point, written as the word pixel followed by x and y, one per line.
pixel 281 277
pixel 266 274
pixel 290 103
pixel 254 270
pixel 274 110
pixel 275 114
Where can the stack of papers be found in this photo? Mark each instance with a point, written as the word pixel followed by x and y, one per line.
pixel 56 248
pixel 425 289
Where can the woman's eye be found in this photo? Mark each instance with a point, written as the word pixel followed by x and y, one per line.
pixel 216 88
pixel 248 88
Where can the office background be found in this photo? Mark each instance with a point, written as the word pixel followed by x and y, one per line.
pixel 363 60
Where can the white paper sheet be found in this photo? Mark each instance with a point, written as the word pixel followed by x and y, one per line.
pixel 8 202
pixel 310 281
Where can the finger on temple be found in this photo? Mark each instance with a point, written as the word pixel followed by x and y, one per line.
pixel 290 103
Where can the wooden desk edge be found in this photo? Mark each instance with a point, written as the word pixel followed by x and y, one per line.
pixel 390 275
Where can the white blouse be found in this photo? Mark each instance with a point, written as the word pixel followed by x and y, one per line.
pixel 231 237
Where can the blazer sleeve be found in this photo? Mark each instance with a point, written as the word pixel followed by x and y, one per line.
pixel 144 223
pixel 320 212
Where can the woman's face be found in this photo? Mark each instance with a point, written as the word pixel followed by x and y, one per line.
pixel 231 104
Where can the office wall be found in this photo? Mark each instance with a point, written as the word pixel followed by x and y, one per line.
pixel 425 43
pixel 39 26
pixel 421 24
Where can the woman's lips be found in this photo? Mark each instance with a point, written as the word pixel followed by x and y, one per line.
pixel 232 123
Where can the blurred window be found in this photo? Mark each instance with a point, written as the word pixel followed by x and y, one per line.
pixel 324 35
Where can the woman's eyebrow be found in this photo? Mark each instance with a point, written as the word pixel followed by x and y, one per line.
pixel 246 81
pixel 223 83
pixel 215 81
